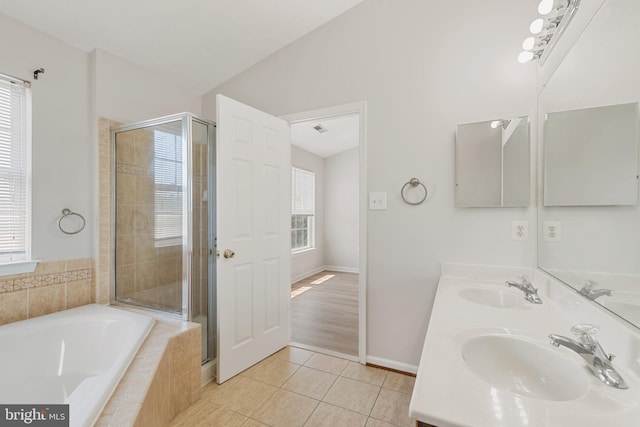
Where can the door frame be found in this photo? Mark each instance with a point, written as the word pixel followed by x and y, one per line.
pixel 359 108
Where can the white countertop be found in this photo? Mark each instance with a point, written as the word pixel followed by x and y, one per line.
pixel 447 393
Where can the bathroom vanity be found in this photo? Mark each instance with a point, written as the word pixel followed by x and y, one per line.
pixel 487 359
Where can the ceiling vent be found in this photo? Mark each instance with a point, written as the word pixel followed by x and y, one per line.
pixel 320 129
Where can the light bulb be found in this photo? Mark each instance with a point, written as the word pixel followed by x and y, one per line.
pixel 495 124
pixel 529 43
pixel 545 7
pixel 525 56
pixel 536 26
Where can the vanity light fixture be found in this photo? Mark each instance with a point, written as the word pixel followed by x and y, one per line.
pixel 536 26
pixel 547 28
pixel 529 43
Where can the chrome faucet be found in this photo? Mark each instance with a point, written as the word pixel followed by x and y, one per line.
pixel 530 293
pixel 598 361
pixel 591 293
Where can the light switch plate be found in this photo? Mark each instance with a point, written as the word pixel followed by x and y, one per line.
pixel 377 201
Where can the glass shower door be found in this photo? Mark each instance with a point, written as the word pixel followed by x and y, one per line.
pixel 203 202
pixel 149 247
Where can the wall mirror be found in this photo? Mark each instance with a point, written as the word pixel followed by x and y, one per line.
pixel 591 244
pixel 492 163
pixel 591 156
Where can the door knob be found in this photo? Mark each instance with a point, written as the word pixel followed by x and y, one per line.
pixel 228 253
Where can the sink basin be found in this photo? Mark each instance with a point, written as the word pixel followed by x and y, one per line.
pixel 493 297
pixel 525 368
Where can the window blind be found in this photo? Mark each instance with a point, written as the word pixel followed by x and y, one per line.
pixel 302 192
pixel 168 186
pixel 14 170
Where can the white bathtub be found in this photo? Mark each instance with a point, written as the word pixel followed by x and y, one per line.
pixel 75 356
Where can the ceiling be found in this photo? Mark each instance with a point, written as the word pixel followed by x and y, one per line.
pixel 342 134
pixel 199 44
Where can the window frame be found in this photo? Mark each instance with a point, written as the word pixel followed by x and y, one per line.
pixel 19 261
pixel 304 211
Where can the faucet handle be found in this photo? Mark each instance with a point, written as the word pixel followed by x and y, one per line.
pixel 524 279
pixel 589 285
pixel 586 332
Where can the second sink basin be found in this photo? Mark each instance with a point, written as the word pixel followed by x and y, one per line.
pixel 492 297
pixel 525 368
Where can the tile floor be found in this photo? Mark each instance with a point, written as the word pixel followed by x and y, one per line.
pixel 296 387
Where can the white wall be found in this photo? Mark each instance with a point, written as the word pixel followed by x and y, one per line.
pixel 75 89
pixel 309 262
pixel 422 67
pixel 126 93
pixel 62 147
pixel 341 213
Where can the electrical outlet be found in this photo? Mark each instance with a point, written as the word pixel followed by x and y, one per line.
pixel 551 231
pixel 520 230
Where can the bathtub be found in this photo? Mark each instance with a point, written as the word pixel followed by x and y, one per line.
pixel 75 356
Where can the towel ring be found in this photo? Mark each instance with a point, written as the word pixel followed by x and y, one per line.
pixel 414 182
pixel 66 213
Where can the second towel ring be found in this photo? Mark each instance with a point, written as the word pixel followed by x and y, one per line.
pixel 414 182
pixel 67 213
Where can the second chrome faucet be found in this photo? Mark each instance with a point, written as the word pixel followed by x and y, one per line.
pixel 589 290
pixel 530 293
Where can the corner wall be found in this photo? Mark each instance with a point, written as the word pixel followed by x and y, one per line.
pixel 341 211
pixel 61 139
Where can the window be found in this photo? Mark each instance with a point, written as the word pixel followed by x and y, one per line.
pixel 15 171
pixel 167 148
pixel 302 209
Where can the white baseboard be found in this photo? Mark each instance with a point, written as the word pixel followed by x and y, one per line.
pixel 341 269
pixel 392 364
pixel 337 268
pixel 307 274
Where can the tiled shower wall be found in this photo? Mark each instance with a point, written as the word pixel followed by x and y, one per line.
pixel 52 287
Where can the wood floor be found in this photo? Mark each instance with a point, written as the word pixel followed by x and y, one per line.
pixel 324 312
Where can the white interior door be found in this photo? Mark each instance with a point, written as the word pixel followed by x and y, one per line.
pixel 253 275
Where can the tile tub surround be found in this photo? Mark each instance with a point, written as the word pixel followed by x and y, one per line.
pixel 53 286
pixel 443 372
pixel 163 379
pixel 296 387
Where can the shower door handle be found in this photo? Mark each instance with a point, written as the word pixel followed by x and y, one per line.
pixel 228 253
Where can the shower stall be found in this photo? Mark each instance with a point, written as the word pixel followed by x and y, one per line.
pixel 165 219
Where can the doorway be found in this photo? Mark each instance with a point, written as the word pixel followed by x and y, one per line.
pixel 328 237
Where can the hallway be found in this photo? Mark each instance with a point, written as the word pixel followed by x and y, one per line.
pixel 324 312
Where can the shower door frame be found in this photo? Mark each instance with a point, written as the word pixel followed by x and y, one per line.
pixel 186 120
